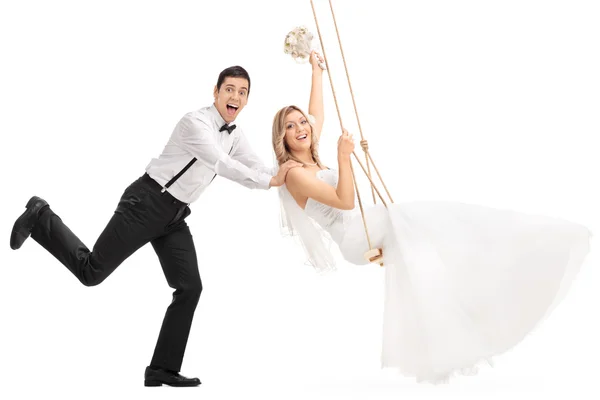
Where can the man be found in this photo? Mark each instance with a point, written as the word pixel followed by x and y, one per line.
pixel 204 143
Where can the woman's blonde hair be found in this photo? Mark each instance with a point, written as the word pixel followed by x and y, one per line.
pixel 280 147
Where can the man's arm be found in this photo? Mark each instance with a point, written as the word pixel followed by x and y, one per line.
pixel 197 138
pixel 244 153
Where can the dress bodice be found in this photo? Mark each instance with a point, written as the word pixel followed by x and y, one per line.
pixel 330 218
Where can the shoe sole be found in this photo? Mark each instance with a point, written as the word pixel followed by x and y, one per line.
pixel 153 383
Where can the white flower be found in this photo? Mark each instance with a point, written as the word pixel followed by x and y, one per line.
pixel 291 40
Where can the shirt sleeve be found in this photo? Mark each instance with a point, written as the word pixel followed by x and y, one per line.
pixel 244 153
pixel 197 138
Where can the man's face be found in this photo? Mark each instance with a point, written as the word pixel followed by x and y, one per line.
pixel 231 98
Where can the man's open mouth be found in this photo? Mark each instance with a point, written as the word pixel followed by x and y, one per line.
pixel 232 109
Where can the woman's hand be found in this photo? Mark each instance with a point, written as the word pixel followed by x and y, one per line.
pixel 345 144
pixel 315 60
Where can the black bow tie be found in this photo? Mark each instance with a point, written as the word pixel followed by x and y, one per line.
pixel 228 128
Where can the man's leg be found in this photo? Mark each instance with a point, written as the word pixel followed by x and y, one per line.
pixel 128 230
pixel 177 256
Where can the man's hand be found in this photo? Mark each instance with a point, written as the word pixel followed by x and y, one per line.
pixel 279 179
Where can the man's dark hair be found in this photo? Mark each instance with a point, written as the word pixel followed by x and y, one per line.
pixel 233 72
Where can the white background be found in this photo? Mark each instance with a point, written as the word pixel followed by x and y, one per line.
pixel 486 102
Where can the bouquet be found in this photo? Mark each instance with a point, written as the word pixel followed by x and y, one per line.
pixel 298 45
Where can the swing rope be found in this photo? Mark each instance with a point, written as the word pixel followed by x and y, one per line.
pixel 363 142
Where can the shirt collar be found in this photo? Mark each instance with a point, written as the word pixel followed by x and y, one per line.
pixel 218 118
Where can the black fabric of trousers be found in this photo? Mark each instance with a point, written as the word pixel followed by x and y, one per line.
pixel 143 215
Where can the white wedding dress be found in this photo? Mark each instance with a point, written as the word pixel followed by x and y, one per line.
pixel 462 283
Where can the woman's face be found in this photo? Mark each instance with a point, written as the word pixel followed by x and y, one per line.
pixel 298 133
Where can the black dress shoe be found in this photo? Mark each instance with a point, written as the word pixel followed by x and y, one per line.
pixel 25 223
pixel 159 377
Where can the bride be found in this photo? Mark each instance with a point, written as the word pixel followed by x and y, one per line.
pixel 463 283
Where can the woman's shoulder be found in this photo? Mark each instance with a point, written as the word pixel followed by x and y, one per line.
pixel 301 175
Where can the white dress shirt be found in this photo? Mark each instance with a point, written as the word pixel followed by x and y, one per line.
pixel 217 153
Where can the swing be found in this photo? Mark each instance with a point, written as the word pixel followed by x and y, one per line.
pixel 373 255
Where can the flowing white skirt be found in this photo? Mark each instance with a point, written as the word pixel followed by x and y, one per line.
pixel 463 282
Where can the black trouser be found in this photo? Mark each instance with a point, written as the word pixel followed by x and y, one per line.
pixel 143 215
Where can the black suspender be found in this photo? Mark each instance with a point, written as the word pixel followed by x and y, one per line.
pixel 173 179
